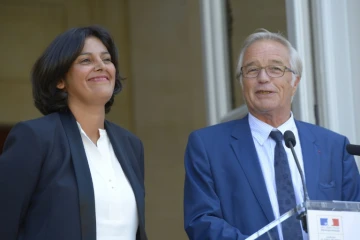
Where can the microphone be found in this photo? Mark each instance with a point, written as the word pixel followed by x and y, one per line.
pixel 353 149
pixel 290 142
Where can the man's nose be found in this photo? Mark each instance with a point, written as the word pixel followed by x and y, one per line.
pixel 263 76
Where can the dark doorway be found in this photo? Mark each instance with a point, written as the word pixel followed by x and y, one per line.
pixel 4 131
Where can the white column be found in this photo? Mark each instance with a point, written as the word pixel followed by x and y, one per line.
pixel 337 55
pixel 216 60
pixel 354 42
pixel 299 34
pixel 334 69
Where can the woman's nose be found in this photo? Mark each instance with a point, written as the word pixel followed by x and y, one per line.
pixel 99 65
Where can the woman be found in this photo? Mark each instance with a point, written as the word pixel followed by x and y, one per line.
pixel 71 174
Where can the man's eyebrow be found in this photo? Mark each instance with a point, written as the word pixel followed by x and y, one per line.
pixel 250 64
pixel 276 61
pixel 272 61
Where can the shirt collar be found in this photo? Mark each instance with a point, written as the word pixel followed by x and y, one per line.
pixel 102 132
pixel 261 130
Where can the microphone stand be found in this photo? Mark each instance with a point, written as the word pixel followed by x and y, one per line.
pixel 302 215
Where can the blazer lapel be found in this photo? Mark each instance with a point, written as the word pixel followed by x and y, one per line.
pixel 311 158
pixel 83 177
pixel 121 149
pixel 246 154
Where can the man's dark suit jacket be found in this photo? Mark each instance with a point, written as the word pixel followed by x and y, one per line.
pixel 46 190
pixel 225 192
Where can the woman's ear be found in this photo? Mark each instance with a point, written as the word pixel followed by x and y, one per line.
pixel 61 84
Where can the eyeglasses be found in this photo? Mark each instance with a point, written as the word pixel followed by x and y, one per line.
pixel 271 70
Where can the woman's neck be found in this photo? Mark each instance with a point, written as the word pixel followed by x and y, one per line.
pixel 91 119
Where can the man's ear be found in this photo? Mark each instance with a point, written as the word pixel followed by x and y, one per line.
pixel 296 84
pixel 61 84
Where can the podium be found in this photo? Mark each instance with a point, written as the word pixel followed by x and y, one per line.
pixel 325 220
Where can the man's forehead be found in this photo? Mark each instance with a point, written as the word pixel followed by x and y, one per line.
pixel 258 62
pixel 266 52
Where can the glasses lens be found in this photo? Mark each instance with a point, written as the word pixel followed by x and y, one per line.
pixel 272 71
pixel 275 71
pixel 251 71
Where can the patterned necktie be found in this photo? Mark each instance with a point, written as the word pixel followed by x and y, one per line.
pixel 285 191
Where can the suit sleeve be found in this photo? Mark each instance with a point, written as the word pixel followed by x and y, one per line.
pixel 351 177
pixel 20 165
pixel 202 208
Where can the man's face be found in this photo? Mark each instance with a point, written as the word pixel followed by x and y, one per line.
pixel 266 96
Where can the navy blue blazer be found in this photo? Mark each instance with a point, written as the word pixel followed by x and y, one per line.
pixel 46 190
pixel 225 195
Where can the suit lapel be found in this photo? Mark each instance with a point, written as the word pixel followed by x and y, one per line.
pixel 121 149
pixel 246 154
pixel 83 177
pixel 311 158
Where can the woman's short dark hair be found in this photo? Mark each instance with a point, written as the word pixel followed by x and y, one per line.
pixel 55 62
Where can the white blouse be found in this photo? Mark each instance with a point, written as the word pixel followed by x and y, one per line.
pixel 115 204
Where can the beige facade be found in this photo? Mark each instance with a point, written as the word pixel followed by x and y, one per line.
pixel 163 99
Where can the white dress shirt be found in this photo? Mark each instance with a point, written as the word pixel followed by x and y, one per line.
pixel 265 147
pixel 115 204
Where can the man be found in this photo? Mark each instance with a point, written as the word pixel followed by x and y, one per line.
pixel 235 172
